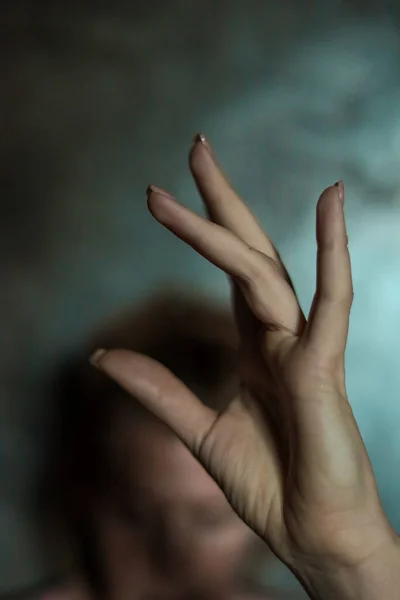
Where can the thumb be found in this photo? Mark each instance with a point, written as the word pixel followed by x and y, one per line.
pixel 160 392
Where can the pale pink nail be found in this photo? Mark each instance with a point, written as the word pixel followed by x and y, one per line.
pixel 157 190
pixel 96 356
pixel 340 187
pixel 201 138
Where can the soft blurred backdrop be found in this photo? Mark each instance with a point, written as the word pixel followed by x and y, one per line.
pixel 97 101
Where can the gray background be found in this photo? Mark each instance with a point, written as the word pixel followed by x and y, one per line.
pixel 95 103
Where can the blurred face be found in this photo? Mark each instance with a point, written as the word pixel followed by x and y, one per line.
pixel 169 533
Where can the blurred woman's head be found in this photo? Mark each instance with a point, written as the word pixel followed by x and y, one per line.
pixel 153 522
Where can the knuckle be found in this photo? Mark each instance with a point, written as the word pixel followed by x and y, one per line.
pixel 337 297
pixel 258 270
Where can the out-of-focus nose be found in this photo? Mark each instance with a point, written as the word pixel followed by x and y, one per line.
pixel 173 551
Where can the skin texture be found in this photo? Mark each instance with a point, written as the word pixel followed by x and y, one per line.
pixel 310 492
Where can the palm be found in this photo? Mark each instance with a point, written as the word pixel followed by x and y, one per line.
pixel 287 451
pixel 251 451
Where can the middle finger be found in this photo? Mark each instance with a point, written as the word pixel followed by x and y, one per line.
pixel 223 204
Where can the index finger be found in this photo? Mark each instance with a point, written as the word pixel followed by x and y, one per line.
pixel 160 392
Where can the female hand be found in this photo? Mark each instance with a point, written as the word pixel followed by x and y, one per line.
pixel 287 452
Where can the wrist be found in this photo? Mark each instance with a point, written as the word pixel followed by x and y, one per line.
pixel 375 578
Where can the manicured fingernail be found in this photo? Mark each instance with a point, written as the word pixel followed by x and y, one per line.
pixel 96 356
pixel 200 138
pixel 157 190
pixel 340 186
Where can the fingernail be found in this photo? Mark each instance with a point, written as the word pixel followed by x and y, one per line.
pixel 340 186
pixel 157 190
pixel 96 356
pixel 200 138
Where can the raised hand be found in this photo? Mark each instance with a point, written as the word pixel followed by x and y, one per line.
pixel 287 452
